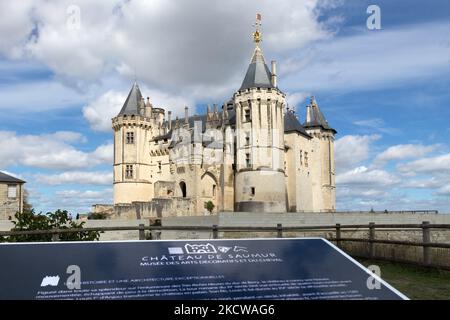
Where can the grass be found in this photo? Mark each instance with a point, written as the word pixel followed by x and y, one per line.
pixel 417 283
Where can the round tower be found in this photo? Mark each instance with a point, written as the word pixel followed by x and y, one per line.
pixel 260 180
pixel 132 133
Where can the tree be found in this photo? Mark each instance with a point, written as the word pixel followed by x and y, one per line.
pixel 59 219
pixel 209 206
pixel 27 206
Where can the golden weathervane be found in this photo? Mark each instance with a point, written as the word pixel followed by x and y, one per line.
pixel 257 33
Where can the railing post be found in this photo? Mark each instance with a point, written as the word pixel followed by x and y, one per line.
pixel 279 230
pixel 141 231
pixel 426 236
pixel 215 231
pixel 338 235
pixel 55 237
pixel 371 238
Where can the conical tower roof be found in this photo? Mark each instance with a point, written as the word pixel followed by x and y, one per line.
pixel 131 105
pixel 258 74
pixel 315 117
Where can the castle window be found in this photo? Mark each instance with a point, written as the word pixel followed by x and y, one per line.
pixel 130 137
pixel 129 171
pixel 214 190
pixel 306 159
pixel 301 157
pixel 247 139
pixel 248 163
pixel 159 166
pixel 247 116
pixel 252 191
pixel 183 189
pixel 12 191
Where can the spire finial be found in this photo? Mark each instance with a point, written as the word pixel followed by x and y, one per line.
pixel 257 33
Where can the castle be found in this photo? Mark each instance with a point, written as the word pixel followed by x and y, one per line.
pixel 253 155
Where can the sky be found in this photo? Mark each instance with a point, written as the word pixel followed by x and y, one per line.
pixel 67 66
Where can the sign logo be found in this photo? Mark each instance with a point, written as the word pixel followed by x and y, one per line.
pixel 175 250
pixel 50 281
pixel 240 249
pixel 204 248
pixel 200 248
pixel 223 249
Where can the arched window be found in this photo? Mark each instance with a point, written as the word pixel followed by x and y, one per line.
pixel 183 189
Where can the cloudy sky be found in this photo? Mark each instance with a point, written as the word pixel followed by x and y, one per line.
pixel 66 67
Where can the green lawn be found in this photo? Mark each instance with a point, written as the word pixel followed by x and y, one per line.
pixel 414 282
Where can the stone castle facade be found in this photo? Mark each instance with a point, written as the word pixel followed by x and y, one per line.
pixel 252 155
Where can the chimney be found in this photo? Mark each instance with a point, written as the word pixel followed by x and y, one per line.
pixel 216 112
pixel 308 113
pixel 142 107
pixel 208 112
pixel 274 73
pixel 169 116
pixel 186 115
pixel 224 112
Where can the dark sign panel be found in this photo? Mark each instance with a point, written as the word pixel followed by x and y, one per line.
pixel 309 268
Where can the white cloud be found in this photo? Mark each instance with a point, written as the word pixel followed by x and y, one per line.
pixel 52 151
pixel 15 25
pixel 41 96
pixel 444 191
pixel 87 195
pixel 371 60
pixel 376 124
pixel 351 150
pixel 76 177
pixel 404 151
pixel 100 111
pixel 437 164
pixel 295 98
pixel 77 201
pixel 363 176
pixel 431 183
pixel 165 43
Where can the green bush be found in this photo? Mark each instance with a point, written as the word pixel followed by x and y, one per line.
pixel 209 206
pixel 59 219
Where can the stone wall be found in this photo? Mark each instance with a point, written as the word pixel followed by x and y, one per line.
pixel 171 207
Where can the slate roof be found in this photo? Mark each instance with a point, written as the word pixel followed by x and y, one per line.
pixel 7 178
pixel 316 117
pixel 291 124
pixel 258 74
pixel 131 105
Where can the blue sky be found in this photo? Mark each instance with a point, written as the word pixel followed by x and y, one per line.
pixel 384 91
